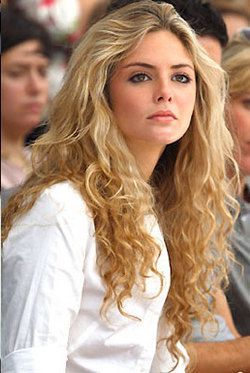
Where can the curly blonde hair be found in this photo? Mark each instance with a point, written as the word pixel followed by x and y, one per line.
pixel 189 191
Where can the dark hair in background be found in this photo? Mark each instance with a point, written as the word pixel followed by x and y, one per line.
pixel 17 28
pixel 204 19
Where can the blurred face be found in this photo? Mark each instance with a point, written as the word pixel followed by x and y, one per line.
pixel 234 22
pixel 153 93
pixel 24 86
pixel 212 47
pixel 240 114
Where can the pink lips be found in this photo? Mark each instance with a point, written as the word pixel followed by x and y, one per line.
pixel 163 116
pixel 34 107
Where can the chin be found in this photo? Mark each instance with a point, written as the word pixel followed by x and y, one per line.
pixel 28 126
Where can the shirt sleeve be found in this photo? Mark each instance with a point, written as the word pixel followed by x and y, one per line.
pixel 42 280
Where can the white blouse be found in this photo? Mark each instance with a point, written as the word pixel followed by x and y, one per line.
pixel 52 295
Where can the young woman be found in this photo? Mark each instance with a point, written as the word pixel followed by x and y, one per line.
pixel 111 242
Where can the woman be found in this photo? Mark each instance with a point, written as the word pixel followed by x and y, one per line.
pixel 236 62
pixel 26 53
pixel 135 159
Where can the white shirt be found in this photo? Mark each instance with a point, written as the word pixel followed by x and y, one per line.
pixel 52 295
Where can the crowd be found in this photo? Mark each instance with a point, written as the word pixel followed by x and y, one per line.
pixel 125 182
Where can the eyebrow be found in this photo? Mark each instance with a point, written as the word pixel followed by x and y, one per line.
pixel 25 63
pixel 37 52
pixel 149 66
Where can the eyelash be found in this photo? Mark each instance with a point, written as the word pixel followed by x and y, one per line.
pixel 187 78
pixel 135 78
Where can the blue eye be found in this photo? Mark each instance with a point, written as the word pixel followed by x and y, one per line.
pixel 181 78
pixel 140 77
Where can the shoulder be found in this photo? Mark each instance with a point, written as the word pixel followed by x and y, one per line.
pixel 59 217
pixel 64 195
pixel 59 200
pixel 60 205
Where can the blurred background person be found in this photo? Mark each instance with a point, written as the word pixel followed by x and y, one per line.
pixel 207 22
pixel 26 52
pixel 202 17
pixel 236 14
pixel 236 62
pixel 66 21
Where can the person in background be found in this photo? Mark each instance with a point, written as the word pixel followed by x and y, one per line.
pixel 66 21
pixel 203 18
pixel 236 62
pixel 236 14
pixel 127 185
pixel 26 51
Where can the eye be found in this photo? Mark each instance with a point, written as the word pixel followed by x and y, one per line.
pixel 15 73
pixel 246 103
pixel 43 72
pixel 181 78
pixel 139 77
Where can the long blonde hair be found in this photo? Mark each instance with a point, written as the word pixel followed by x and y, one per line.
pixel 188 191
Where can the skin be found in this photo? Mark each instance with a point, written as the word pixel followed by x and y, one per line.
pixel 224 357
pixel 24 85
pixel 151 82
pixel 234 22
pixel 212 46
pixel 240 116
pixel 24 89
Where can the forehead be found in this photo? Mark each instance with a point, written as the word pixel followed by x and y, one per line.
pixel 212 47
pixel 160 47
pixel 26 52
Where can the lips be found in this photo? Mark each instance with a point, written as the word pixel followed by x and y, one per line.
pixel 163 115
pixel 34 107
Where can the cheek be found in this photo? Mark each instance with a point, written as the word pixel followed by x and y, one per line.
pixel 45 87
pixel 12 91
pixel 186 105
pixel 125 103
pixel 11 97
pixel 241 121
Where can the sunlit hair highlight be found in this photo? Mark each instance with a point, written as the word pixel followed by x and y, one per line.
pixel 188 191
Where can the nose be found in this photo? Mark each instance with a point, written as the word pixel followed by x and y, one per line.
pixel 35 83
pixel 163 92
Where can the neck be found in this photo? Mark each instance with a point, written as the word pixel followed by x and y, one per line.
pixel 146 157
pixel 11 145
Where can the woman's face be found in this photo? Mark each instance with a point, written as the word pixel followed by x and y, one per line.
pixel 240 114
pixel 153 92
pixel 24 86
